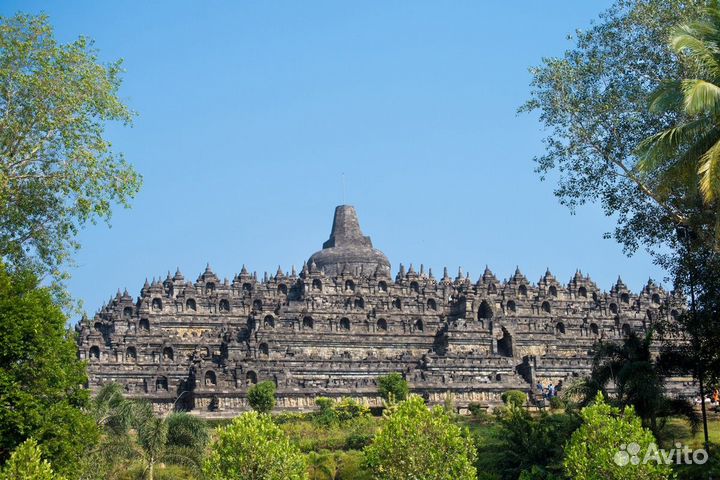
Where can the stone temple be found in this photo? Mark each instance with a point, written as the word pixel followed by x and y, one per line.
pixel 343 320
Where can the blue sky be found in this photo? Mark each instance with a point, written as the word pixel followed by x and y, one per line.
pixel 251 112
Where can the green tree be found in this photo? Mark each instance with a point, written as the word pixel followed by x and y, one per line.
pixel 111 410
pixel 595 450
pixel 526 446
pixel 393 387
pixel 261 397
pixel 57 169
pixel 593 103
pixel 252 447
pixel 41 378
pixel 638 380
pixel 176 438
pixel 689 151
pixel 26 463
pixel 417 442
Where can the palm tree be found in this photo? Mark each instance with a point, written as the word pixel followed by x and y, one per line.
pixel 638 381
pixel 178 438
pixel 683 161
pixel 111 410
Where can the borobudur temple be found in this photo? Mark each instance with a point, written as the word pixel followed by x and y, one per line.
pixel 341 322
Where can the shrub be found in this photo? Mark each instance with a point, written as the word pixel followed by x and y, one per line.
pixel 393 387
pixel 594 447
pixel 519 443
pixel 416 442
pixel 514 397
pixel 348 408
pixel 252 446
pixel 358 441
pixel 327 415
pixel 556 403
pixel 261 397
pixel 25 464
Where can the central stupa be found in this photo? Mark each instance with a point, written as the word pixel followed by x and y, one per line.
pixel 348 250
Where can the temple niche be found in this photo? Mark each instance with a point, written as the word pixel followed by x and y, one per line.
pixel 340 322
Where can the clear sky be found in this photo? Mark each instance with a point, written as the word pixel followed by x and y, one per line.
pixel 251 112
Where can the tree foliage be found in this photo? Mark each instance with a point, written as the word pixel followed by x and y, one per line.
pixel 57 169
pixel 520 445
pixel 176 438
pixel 41 378
pixel 252 447
pixel 688 153
pixel 514 397
pixel 26 463
pixel 591 452
pixel 638 381
pixel 417 442
pixel 393 387
pixel 261 397
pixel 593 101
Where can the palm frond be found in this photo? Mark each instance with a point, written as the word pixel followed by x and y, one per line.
pixel 709 173
pixel 700 96
pixel 691 40
pixel 668 97
pixel 662 148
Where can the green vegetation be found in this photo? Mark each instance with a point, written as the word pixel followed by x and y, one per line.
pixel 418 442
pixel 592 449
pixel 514 397
pixel 393 387
pixel 515 443
pixel 262 397
pixel 25 464
pixel 57 169
pixel 41 378
pixel 253 447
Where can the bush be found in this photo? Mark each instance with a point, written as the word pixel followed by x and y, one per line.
pixel 326 416
pixel 348 408
pixel 261 397
pixel 556 403
pixel 393 387
pixel 416 442
pixel 252 446
pixel 514 397
pixel 358 441
pixel 593 448
pixel 25 464
pixel 187 431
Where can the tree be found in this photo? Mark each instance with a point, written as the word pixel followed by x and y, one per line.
pixel 602 447
pixel 393 387
pixel 261 397
pixel 417 442
pixel 177 438
pixel 57 169
pixel 521 445
pixel 252 447
pixel 593 102
pixel 638 380
pixel 689 151
pixel 26 463
pixel 111 410
pixel 185 430
pixel 41 377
